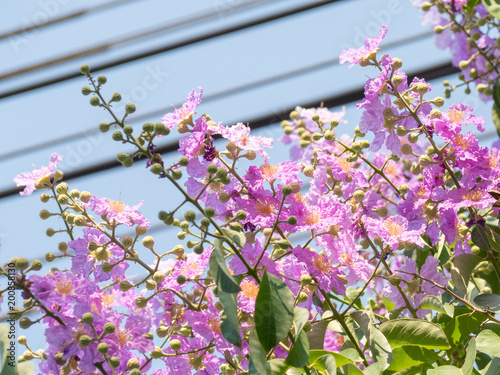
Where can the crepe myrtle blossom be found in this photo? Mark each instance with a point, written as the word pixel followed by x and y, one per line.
pixel 30 179
pixel 414 287
pixel 185 113
pixel 354 56
pixel 118 211
pixel 394 231
pixel 240 135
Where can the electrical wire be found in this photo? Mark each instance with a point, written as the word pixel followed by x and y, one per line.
pixel 226 93
pixel 171 46
pixel 428 74
pixel 200 17
pixel 66 17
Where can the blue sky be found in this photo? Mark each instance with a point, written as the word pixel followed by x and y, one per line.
pixel 157 82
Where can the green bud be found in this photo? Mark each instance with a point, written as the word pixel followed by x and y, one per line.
pixel 130 108
pixel 21 264
pixel 85 69
pixel 114 361
pixel 334 123
pixel 148 127
pixel 101 79
pixel 176 174
pixel 125 285
pixel 36 265
pixel 184 161
pixel 148 242
pixel 49 257
pixel 175 345
pixel 116 97
pixel 205 222
pixel 107 267
pixel 198 249
pixel 359 195
pixel 211 169
pixel 94 101
pixel 463 65
pixel 406 149
pixel 102 348
pixel 412 138
pixel 190 216
pixel 382 211
pixel 88 318
pixel 86 90
pixel 135 371
pixel 109 328
pixel 44 214
pixel 294 115
pixel 305 279
pixel 157 168
pixel 22 340
pixel 209 212
pixel 302 297
pixel 62 247
pixel 117 136
pixel 181 279
pixel 85 341
pixel 128 130
pixel 286 190
pixel 292 220
pixel 317 136
pixel 241 215
pixel 329 136
pixel 221 173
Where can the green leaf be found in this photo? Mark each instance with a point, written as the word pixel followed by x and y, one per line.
pixel 493 7
pixel 470 357
pixel 407 356
pixel 496 93
pixel 353 370
pixel 418 369
pixel 494 237
pixel 461 270
pixel 434 303
pixel 445 370
pixel 415 332
pixel 257 364
pixel 479 237
pixel 495 115
pixel 373 369
pixel 488 342
pixel 278 366
pixel 492 368
pixel 230 326
pixel 316 335
pixel 297 357
pixel 237 237
pixel 488 300
pixel 460 327
pixel 340 359
pixel 471 4
pixel 222 277
pixel 326 363
pixel 300 318
pixel 25 368
pixel 273 311
pixel 379 346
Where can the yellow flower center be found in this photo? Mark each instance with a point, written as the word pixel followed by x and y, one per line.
pixel 214 324
pixel 298 197
pixel 346 259
pixel 322 263
pixel 268 170
pixel 116 206
pixel 265 207
pixel 473 195
pixel 394 229
pixel 461 141
pixel 313 217
pixel 123 337
pixel 249 289
pixel 344 164
pixel 64 287
pixel 455 115
pixel 493 161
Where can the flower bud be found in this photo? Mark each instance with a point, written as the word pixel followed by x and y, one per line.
pixel 294 115
pixel 102 348
pixel 382 211
pixel 292 220
pixel 359 195
pixel 394 279
pixel 286 190
pixel 94 101
pixel 101 79
pixel 22 340
pixel 425 161
pixel 127 241
pixel 49 257
pixel 85 69
pixel 302 297
pixel 406 149
pixel 401 131
pixel 181 279
pixel 62 247
pixel 125 285
pixel 413 138
pixel 109 328
pixel 157 353
pixel 133 363
pixel 396 63
pixel 329 136
pixel 305 280
pixel 463 65
pixel 150 284
pixel 114 361
pixel 88 318
pixel 175 345
pixel 189 216
pixel 117 136
pixel 85 340
pixel 44 214
pixel 397 80
pixel 130 108
pixel 176 174
pixel 36 265
pixel 86 90
pixel 107 267
pixel 439 29
pixel 148 242
pixel 438 101
pixel 308 171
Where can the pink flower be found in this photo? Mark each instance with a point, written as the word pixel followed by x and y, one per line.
pixel 118 211
pixel 248 295
pixel 29 179
pixel 371 46
pixel 184 113
pixel 190 145
pixel 240 135
pixel 394 230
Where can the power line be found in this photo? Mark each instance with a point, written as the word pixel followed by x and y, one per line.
pixel 66 17
pixel 208 98
pixel 200 17
pixel 435 72
pixel 171 46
